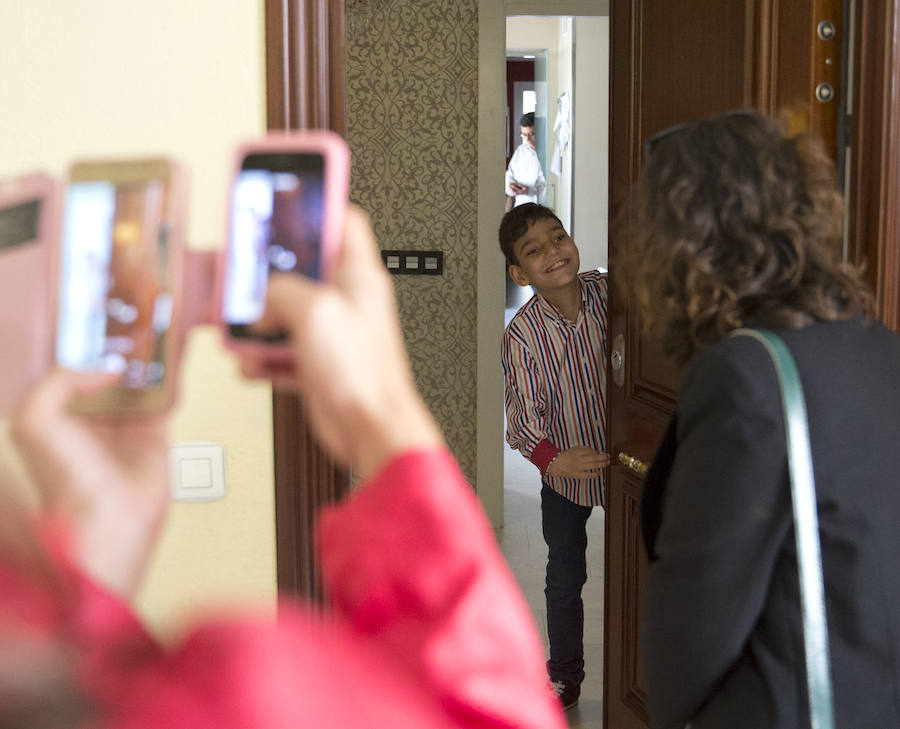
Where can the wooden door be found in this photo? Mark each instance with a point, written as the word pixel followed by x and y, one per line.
pixel 674 60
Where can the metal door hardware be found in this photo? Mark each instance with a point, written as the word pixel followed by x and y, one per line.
pixel 826 30
pixel 617 360
pixel 635 464
pixel 824 92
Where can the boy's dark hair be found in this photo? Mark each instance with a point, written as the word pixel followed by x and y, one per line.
pixel 516 223
pixel 527 120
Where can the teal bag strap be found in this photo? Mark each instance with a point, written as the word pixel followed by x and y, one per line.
pixel 806 528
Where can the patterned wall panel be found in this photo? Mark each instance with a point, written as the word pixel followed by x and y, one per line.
pixel 412 87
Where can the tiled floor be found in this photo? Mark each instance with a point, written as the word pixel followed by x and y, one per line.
pixel 524 548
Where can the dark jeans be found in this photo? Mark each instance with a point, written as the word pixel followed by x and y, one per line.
pixel 566 537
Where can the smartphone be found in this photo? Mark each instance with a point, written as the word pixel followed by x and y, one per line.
pixel 29 216
pixel 286 213
pixel 120 268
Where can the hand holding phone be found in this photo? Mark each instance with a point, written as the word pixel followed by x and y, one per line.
pixel 349 361
pixel 288 201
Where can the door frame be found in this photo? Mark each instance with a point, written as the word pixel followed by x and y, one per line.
pixel 305 89
pixel 874 198
pixel 491 266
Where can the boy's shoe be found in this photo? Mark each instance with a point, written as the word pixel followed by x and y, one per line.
pixel 566 692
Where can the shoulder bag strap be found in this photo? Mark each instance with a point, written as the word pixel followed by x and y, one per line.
pixel 806 528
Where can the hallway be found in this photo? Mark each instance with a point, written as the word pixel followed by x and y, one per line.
pixel 525 551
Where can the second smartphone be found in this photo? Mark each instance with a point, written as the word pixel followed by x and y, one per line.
pixel 120 265
pixel 288 200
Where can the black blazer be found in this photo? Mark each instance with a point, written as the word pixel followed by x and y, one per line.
pixel 722 632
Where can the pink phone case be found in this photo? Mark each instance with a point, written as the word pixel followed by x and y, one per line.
pixel 125 401
pixel 336 154
pixel 27 289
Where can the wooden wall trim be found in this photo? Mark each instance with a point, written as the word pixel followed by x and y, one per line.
pixel 305 87
pixel 304 90
pixel 875 150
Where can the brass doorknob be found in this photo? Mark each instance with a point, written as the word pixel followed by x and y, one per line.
pixel 636 465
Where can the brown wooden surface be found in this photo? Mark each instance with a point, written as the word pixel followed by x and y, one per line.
pixel 791 43
pixel 304 90
pixel 670 62
pixel 875 156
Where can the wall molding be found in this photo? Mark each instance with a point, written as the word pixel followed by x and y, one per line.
pixel 304 90
pixel 557 7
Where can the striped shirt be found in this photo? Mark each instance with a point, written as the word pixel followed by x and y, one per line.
pixel 555 382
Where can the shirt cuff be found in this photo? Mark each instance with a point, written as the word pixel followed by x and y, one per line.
pixel 543 454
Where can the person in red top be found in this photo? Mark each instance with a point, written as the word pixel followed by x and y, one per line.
pixel 427 629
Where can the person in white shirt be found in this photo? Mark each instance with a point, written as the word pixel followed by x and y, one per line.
pixel 524 177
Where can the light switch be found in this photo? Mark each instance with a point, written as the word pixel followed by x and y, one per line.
pixel 416 263
pixel 197 471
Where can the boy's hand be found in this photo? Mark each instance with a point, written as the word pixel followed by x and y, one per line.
pixel 578 462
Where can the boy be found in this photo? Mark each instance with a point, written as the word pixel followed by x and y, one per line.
pixel 554 364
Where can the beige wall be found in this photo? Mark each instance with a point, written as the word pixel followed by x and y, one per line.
pixel 105 78
pixel 491 266
pixel 565 85
pixel 590 146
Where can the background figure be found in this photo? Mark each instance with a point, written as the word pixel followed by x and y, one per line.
pixel 524 177
pixel 740 226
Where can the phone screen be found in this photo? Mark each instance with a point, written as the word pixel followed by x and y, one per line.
pixel 277 217
pixel 115 308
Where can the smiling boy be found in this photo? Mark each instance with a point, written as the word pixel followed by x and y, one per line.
pixel 554 363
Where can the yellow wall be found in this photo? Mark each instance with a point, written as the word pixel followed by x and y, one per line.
pixel 107 78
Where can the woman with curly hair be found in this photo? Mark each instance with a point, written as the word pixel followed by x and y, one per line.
pixel 737 224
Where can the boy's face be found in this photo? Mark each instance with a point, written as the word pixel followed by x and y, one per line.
pixel 547 256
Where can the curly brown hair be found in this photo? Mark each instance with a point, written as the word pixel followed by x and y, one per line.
pixel 734 221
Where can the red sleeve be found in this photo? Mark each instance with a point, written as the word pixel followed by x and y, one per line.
pixel 543 454
pixel 428 630
pixel 51 603
pixel 412 564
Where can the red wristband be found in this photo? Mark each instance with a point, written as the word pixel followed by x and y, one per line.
pixel 543 454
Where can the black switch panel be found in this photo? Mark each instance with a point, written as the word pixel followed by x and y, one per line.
pixel 416 263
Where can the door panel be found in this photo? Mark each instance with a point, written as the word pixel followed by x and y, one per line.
pixel 671 61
